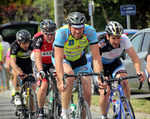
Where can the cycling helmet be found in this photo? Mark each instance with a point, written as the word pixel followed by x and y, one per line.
pixel 114 28
pixel 76 18
pixel 23 36
pixel 47 26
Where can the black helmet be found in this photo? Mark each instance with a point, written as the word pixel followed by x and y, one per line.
pixel 76 18
pixel 23 36
pixel 47 26
pixel 114 28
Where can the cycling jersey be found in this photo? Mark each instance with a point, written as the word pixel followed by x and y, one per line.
pixel 22 56
pixel 74 49
pixel 110 54
pixel 40 45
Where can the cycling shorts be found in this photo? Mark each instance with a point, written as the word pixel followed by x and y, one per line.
pixel 79 65
pixel 46 68
pixel 112 69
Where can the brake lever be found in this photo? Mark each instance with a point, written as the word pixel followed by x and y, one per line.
pixel 18 78
pixel 64 79
pixel 103 80
pixel 141 84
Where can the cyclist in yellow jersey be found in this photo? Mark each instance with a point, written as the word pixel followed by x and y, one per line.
pixel 69 57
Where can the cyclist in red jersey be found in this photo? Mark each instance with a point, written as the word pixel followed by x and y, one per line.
pixel 41 56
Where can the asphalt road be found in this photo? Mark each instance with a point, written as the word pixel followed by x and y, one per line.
pixel 7 110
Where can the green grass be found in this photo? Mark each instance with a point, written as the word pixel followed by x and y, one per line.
pixel 139 105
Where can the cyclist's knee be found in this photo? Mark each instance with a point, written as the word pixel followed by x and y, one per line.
pixel 44 86
pixel 102 96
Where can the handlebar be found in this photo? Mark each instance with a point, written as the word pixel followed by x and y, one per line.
pixel 51 73
pixel 21 75
pixel 125 78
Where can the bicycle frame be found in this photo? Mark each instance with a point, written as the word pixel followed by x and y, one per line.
pixel 81 104
pixel 119 111
pixel 26 87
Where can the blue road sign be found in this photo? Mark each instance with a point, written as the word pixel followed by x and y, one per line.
pixel 127 10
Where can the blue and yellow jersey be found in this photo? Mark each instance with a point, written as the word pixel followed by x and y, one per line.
pixel 74 49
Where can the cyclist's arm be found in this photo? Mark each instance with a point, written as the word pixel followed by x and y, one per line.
pixel 148 63
pixel 14 65
pixel 59 55
pixel 131 52
pixel 38 59
pixel 136 61
pixel 97 63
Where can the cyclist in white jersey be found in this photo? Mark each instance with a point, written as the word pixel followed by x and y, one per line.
pixel 69 56
pixel 111 46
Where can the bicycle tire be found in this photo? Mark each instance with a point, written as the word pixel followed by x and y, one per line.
pixel 80 108
pixel 32 105
pixel 50 105
pixel 57 107
pixel 131 114
pixel 22 112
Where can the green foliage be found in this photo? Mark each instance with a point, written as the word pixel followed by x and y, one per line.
pixel 105 11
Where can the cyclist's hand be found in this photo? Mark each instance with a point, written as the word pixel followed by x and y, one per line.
pixel 22 75
pixel 102 85
pixel 40 75
pixel 61 87
pixel 142 77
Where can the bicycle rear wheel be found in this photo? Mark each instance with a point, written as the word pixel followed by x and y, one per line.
pixel 129 112
pixel 32 105
pixel 81 108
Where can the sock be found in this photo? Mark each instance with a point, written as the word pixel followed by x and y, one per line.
pixel 65 111
pixel 13 92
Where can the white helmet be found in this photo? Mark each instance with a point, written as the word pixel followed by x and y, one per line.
pixel 114 28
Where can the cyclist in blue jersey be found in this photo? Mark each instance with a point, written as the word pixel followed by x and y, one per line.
pixel 111 46
pixel 69 57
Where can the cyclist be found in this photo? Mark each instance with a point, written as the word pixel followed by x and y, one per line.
pixel 41 56
pixel 111 46
pixel 20 59
pixel 69 57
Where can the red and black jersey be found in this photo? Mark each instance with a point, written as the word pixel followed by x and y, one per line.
pixel 40 45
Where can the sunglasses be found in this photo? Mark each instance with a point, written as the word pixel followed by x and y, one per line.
pixel 25 41
pixel 52 33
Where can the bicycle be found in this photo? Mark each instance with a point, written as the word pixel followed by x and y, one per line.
pixel 53 107
pixel 28 108
pixel 122 108
pixel 81 103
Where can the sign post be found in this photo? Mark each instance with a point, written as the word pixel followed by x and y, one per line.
pixel 91 11
pixel 128 10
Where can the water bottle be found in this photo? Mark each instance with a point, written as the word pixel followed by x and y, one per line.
pixel 73 109
pixel 51 100
pixel 117 106
pixel 24 95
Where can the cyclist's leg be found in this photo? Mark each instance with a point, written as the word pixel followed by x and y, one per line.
pixel 66 96
pixel 86 83
pixel 17 99
pixel 104 99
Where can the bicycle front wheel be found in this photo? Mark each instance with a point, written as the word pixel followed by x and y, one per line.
pixel 57 107
pixel 83 110
pixel 32 105
pixel 127 111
